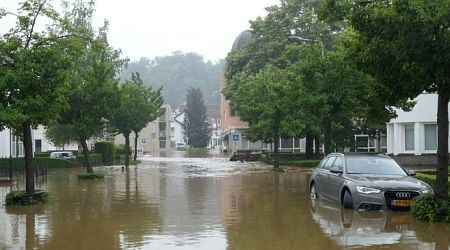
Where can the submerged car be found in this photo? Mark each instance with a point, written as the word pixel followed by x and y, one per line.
pixel 365 181
pixel 68 155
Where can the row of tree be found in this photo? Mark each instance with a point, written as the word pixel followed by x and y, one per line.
pixel 65 76
pixel 325 67
pixel 179 71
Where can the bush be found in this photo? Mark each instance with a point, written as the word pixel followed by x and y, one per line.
pixel 278 170
pixel 430 179
pixel 107 152
pixel 427 208
pixel 91 176
pixel 289 156
pixel 298 163
pixel 44 162
pixel 18 198
pixel 431 171
pixel 120 150
pixel 94 158
pixel 42 154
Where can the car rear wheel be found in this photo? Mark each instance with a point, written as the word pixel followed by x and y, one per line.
pixel 313 192
pixel 347 200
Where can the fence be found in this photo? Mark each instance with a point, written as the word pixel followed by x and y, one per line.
pixel 17 174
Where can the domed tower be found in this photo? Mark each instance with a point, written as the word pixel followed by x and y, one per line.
pixel 241 40
pixel 232 126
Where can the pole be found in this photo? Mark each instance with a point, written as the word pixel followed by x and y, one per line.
pixel 10 155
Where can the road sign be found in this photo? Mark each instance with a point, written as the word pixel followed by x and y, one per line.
pixel 235 137
pixel 143 141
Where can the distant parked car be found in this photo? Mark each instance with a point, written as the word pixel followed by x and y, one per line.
pixel 365 181
pixel 62 155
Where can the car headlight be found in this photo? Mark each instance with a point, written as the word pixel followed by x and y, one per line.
pixel 367 190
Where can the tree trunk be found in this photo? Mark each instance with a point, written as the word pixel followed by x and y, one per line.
pixel 276 146
pixel 127 149
pixel 276 138
pixel 441 188
pixel 87 161
pixel 327 137
pixel 309 146
pixel 28 147
pixel 136 135
pixel 317 145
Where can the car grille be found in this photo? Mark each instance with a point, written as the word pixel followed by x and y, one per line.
pixel 399 195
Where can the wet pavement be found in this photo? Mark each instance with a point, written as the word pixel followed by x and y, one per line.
pixel 201 203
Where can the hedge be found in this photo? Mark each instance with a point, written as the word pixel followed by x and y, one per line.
pixel 18 198
pixel 430 171
pixel 52 163
pixel 107 151
pixel 96 159
pixel 91 176
pixel 45 162
pixel 298 163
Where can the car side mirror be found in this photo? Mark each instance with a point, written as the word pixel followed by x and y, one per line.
pixel 336 170
pixel 412 172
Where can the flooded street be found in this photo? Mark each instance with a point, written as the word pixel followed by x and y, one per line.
pixel 201 203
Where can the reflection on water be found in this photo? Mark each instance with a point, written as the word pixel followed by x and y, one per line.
pixel 200 203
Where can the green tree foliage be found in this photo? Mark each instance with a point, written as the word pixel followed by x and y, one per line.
pixel 60 134
pixel 324 93
pixel 179 71
pixel 33 74
pixel 196 125
pixel 149 103
pixel 405 46
pixel 93 93
pixel 138 105
pixel 265 101
pixel 107 150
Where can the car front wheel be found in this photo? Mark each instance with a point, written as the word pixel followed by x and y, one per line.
pixel 313 192
pixel 347 200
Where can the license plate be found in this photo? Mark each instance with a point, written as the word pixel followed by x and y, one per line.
pixel 401 203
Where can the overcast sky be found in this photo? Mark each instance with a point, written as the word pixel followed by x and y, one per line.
pixel 150 28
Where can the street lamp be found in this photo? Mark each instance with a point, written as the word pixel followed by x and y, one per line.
pixel 309 40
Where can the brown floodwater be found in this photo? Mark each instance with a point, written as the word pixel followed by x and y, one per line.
pixel 201 203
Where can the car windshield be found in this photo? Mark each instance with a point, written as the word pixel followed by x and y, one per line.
pixel 372 165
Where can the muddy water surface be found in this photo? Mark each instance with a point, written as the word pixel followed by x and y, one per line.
pixel 201 203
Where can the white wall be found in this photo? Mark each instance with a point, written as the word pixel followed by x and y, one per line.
pixel 178 133
pixel 37 134
pixel 4 143
pixel 423 113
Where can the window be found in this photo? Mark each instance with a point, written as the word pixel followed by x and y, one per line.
pixel 339 164
pixel 162 144
pixel 430 136
pixel 232 110
pixel 329 163
pixel 409 137
pixel 38 145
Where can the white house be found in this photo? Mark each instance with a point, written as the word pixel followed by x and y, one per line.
pixel 414 132
pixel 177 134
pixel 13 145
pixel 412 136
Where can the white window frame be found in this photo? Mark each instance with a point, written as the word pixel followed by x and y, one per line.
pixel 433 151
pixel 414 138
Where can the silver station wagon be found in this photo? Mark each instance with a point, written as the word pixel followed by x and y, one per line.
pixel 365 181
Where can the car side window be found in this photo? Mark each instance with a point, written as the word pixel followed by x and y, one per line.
pixel 339 163
pixel 329 163
pixel 322 163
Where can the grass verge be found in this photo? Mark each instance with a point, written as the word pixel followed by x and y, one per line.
pixel 22 198
pixel 90 176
